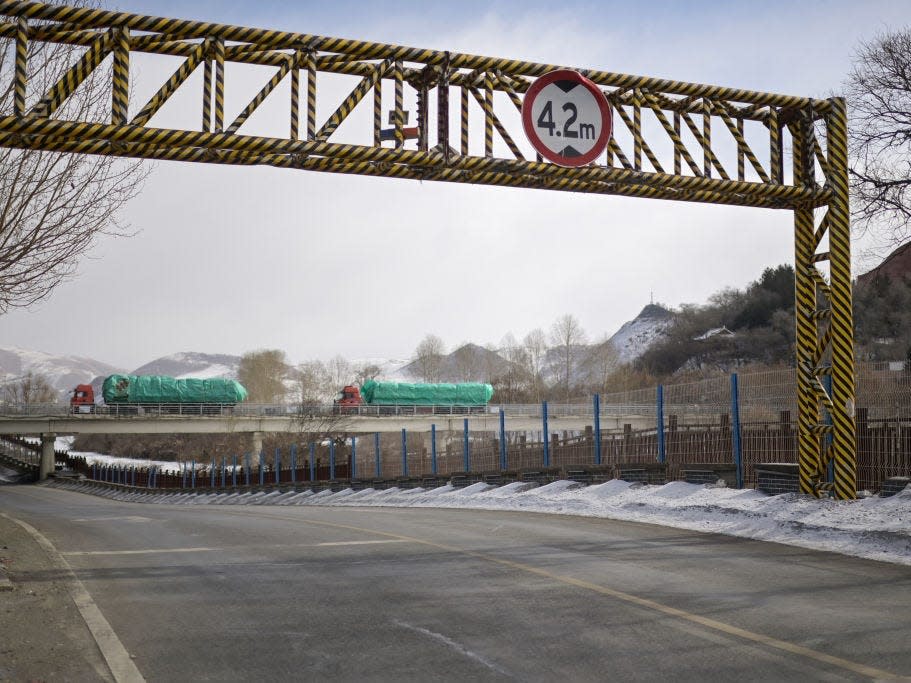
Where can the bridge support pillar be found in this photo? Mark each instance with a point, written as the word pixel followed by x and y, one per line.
pixel 46 467
pixel 256 443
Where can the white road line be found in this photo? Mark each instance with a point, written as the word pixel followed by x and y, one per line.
pixel 148 551
pixel 155 551
pixel 118 659
pixel 397 540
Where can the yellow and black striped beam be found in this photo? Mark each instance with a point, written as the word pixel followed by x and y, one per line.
pixel 738 135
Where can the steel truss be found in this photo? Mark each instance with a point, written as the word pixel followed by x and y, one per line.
pixel 672 140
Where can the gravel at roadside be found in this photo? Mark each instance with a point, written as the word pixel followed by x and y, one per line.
pixel 42 635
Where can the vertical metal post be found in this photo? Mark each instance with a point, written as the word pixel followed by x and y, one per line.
pixel 546 434
pixel 312 462
pixel 183 477
pixel 465 447
pixel 331 460
pixel 212 474
pixel 844 439
pixel 224 470
pixel 21 77
pixel 120 82
pixel 262 468
pixel 278 466
pixel 293 464
pixel 234 471
pixel 352 472
pixel 502 439
pixel 830 469
pixel 433 449
pixel 596 410
pixel 193 475
pixel 805 309
pixel 376 453
pixel 659 425
pixel 404 453
pixel 247 467
pixel 735 429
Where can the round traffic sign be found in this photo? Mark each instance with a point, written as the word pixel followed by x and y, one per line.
pixel 567 118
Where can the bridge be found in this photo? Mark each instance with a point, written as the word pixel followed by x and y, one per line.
pixel 48 421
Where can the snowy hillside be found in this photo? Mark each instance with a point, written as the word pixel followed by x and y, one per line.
pixel 391 370
pixel 63 372
pixel 192 364
pixel 636 336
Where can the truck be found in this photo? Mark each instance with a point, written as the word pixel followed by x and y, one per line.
pixel 398 398
pixel 132 394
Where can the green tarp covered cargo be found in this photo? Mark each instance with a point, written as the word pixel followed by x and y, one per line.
pixel 158 389
pixel 406 394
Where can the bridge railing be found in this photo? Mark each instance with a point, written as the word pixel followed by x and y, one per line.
pixel 296 410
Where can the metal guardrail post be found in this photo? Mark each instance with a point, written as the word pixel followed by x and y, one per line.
pixel 467 451
pixel 433 449
pixel 262 468
pixel 404 453
pixel 224 470
pixel 376 452
pixel 278 465
pixel 293 464
pixel 312 462
pixel 193 475
pixel 503 464
pixel 352 474
pixel 248 466
pixel 735 429
pixel 546 434
pixel 331 460
pixel 662 454
pixel 596 410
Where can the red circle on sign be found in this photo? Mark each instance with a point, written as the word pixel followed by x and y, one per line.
pixel 529 125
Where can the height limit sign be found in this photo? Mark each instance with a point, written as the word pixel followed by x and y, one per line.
pixel 567 118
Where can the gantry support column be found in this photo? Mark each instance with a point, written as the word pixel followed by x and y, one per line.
pixel 46 466
pixel 824 320
pixel 844 444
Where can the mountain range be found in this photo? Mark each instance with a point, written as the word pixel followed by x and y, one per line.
pixel 65 372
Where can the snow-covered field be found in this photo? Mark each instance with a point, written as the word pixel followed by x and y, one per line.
pixel 870 527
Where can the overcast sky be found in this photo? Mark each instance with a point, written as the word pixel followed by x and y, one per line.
pixel 230 259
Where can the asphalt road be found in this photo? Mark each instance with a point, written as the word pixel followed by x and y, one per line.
pixel 278 593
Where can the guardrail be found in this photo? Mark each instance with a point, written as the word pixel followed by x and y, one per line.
pixel 155 410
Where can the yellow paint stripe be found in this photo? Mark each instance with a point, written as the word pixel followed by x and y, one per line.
pixel 713 624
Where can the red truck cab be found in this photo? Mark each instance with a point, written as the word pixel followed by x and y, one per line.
pixel 83 400
pixel 348 399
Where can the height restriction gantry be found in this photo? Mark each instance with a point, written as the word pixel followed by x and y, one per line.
pixel 670 140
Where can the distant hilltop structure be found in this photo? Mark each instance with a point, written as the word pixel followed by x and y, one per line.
pixel 895 266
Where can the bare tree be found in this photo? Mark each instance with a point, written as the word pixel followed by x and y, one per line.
pixel 313 383
pixel 263 374
pixel 340 371
pixel 54 206
pixel 600 364
pixel 365 372
pixel 879 96
pixel 30 389
pixel 429 357
pixel 535 345
pixel 566 336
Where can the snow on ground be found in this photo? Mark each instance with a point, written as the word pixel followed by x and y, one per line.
pixel 872 527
